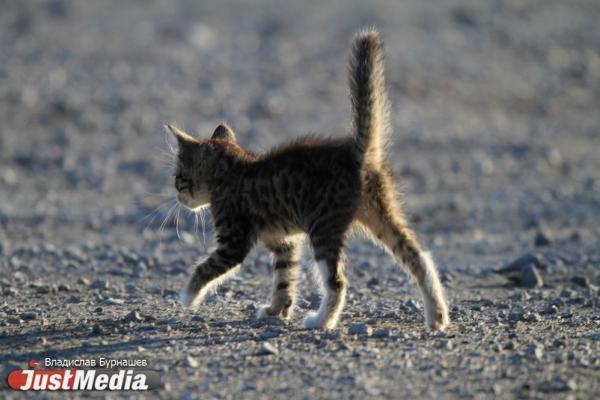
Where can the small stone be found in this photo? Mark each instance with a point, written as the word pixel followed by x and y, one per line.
pixel 568 293
pixel 269 334
pixel 413 305
pixel 97 329
pixel 515 316
pixel 524 271
pixel 564 385
pixel 510 345
pixel 530 277
pixel 29 315
pixel 535 352
pixel 110 301
pixel 541 239
pixel 191 362
pixel 63 287
pixel 532 317
pixel 139 270
pixel 595 336
pixel 10 291
pixel 582 281
pixel 267 349
pixel 360 329
pixel 100 284
pixel 83 281
pixel 551 309
pixel 133 316
pixel 381 333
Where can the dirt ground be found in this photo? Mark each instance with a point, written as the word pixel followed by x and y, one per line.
pixel 496 142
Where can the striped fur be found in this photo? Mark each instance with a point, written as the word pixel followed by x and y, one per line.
pixel 313 187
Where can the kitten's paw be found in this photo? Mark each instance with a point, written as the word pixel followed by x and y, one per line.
pixel 315 320
pixel 436 315
pixel 187 299
pixel 263 313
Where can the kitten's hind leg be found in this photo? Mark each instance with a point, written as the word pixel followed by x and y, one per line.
pixel 400 242
pixel 328 253
pixel 379 216
pixel 286 262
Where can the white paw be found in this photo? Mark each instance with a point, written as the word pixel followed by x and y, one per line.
pixel 187 299
pixel 436 315
pixel 313 321
pixel 263 313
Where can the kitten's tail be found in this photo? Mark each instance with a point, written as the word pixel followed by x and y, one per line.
pixel 370 109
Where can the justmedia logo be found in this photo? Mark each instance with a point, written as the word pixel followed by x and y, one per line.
pixel 82 379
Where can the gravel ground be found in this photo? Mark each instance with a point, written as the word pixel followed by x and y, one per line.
pixel 497 144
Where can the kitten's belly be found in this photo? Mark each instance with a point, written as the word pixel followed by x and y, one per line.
pixel 275 233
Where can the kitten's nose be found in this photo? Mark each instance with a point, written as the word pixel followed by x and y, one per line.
pixel 179 184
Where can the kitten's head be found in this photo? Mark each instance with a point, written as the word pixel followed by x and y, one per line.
pixel 198 161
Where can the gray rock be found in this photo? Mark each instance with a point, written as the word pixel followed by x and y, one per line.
pixel 541 239
pixel 552 309
pixel 523 271
pixel 381 333
pixel 535 352
pixel 28 315
pixel 269 334
pixel 191 362
pixel 97 329
pixel 360 329
pixel 267 349
pixel 100 284
pixel 113 302
pixel 413 305
pixel 582 281
pixel 133 316
pixel 83 281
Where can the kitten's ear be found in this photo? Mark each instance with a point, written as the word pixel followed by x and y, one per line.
pixel 181 137
pixel 224 132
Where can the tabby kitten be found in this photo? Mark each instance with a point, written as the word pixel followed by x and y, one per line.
pixel 315 187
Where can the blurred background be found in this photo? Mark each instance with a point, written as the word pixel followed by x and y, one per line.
pixel 495 104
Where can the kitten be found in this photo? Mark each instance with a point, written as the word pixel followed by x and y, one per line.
pixel 315 187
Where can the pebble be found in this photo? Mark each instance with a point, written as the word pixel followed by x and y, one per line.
pixel 267 349
pixel 83 281
pixel 582 281
pixel 28 315
pixel 360 329
pixel 110 301
pixel 381 333
pixel 191 362
pixel 139 270
pixel 269 334
pixel 535 352
pixel 133 316
pixel 413 305
pixel 100 284
pixel 97 329
pixel 541 239
pixel 552 309
pixel 530 277
pixel 532 317
pixel 523 271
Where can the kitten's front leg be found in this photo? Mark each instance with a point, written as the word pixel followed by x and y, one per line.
pixel 219 266
pixel 286 262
